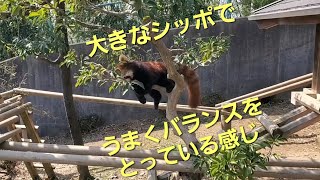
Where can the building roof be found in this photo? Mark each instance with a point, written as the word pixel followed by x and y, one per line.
pixel 287 8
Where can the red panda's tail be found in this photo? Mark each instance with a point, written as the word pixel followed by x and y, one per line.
pixel 193 82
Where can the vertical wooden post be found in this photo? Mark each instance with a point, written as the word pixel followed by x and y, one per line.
pixel 225 126
pixel 24 131
pixel 316 64
pixel 152 174
pixel 31 169
pixel 316 67
pixel 32 133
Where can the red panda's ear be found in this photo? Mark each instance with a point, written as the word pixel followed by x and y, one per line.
pixel 123 58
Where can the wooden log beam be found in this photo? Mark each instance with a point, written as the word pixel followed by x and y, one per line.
pixel 24 127
pixel 300 123
pixel 9 121
pixel 86 160
pixel 85 150
pixel 288 117
pixel 10 100
pixel 15 111
pixel 10 106
pixel 6 94
pixel 14 98
pixel 181 166
pixel 10 134
pixel 279 90
pixel 316 63
pixel 300 98
pixel 288 172
pixel 274 87
pixel 269 125
pixel 294 162
pixel 114 101
pixel 295 125
pixel 30 140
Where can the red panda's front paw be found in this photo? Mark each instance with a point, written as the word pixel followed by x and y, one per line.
pixel 142 100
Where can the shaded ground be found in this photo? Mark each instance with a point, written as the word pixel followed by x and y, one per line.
pixel 301 144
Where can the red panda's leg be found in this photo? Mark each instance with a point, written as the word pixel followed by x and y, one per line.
pixel 156 95
pixel 139 92
pixel 141 98
pixel 167 83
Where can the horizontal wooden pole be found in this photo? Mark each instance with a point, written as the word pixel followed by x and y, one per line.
pixel 30 140
pixel 279 90
pixel 9 121
pixel 15 111
pixel 289 172
pixel 115 162
pixel 295 83
pixel 104 100
pixel 6 94
pixel 10 101
pixel 300 98
pixel 20 126
pixel 295 162
pixel 88 160
pixel 10 106
pixel 14 98
pixel 10 134
pixel 85 150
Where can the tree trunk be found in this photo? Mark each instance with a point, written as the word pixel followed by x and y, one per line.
pixel 71 113
pixel 72 117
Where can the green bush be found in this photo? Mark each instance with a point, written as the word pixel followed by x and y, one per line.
pixel 238 163
pixel 90 122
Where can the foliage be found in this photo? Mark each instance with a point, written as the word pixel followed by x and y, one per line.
pixel 173 10
pixel 203 52
pixel 69 59
pixel 238 163
pixel 7 76
pixel 103 70
pixel 42 37
pixel 245 7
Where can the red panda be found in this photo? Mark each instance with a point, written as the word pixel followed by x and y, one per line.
pixel 144 75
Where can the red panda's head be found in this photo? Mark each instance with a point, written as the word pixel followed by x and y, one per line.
pixel 124 68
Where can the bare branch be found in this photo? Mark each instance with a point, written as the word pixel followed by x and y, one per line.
pixel 94 26
pixel 58 60
pixel 177 51
pixel 111 13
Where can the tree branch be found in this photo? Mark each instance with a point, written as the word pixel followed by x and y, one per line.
pixel 174 96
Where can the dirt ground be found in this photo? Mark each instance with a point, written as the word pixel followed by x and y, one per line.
pixel 301 144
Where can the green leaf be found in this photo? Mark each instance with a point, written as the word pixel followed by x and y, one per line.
pixel 16 10
pixel 34 14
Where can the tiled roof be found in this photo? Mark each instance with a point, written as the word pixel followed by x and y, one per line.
pixel 287 8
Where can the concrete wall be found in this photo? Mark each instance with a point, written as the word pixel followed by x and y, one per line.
pixel 257 58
